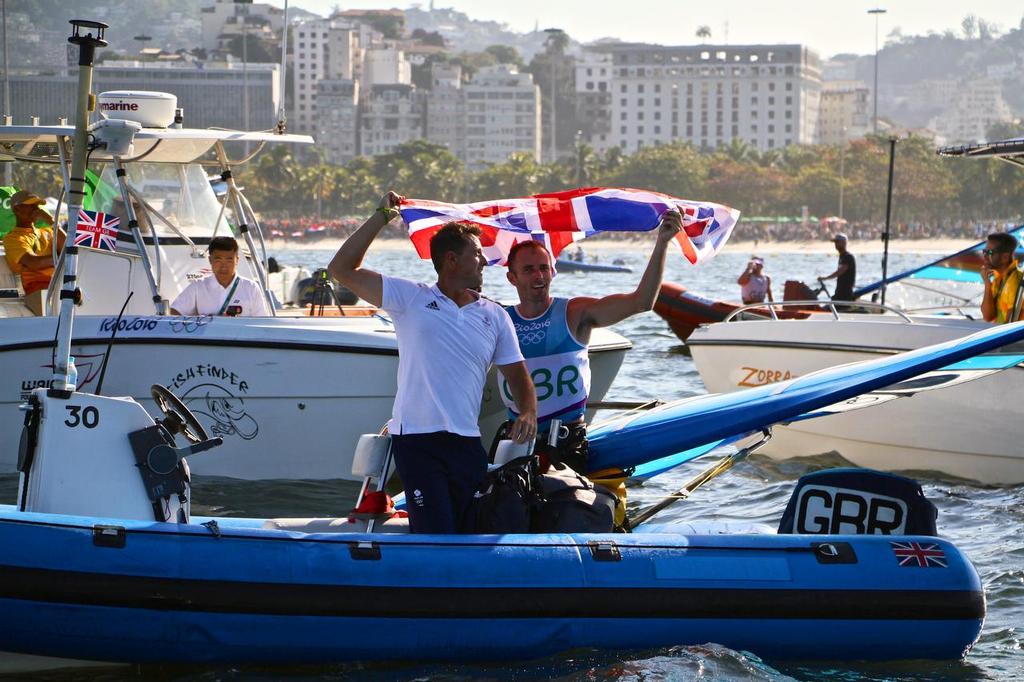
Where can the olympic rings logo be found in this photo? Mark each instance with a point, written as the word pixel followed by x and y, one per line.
pixel 530 338
pixel 190 323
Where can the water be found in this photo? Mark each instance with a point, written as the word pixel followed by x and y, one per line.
pixel 986 522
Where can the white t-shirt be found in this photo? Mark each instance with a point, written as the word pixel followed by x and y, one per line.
pixel 444 352
pixel 206 297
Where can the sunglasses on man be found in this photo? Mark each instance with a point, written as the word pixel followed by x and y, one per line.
pixel 992 252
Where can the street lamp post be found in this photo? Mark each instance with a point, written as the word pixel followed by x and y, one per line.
pixel 245 64
pixel 579 157
pixel 552 147
pixel 842 172
pixel 142 39
pixel 877 11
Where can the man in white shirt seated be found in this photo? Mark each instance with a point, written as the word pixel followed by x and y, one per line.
pixel 223 292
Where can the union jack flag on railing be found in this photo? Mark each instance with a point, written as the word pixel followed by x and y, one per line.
pixel 97 230
pixel 561 218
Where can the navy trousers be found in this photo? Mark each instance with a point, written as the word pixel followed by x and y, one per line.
pixel 440 472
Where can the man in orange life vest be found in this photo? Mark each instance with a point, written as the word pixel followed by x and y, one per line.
pixel 29 249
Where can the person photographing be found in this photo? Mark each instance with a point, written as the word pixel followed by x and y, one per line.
pixel 755 286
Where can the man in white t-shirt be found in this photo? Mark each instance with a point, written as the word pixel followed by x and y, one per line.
pixel 448 336
pixel 223 292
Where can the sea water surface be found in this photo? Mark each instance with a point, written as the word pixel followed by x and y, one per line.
pixel 986 522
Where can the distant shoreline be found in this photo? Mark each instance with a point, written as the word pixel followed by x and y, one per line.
pixel 939 246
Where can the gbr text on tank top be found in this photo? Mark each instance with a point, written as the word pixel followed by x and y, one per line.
pixel 559 364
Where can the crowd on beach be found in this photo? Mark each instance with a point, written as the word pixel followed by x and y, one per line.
pixel 312 229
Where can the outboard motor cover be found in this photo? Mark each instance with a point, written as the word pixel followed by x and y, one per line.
pixel 858 502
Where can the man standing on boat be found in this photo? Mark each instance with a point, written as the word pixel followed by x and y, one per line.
pixel 1002 277
pixel 29 247
pixel 448 336
pixel 755 285
pixel 846 272
pixel 554 332
pixel 224 291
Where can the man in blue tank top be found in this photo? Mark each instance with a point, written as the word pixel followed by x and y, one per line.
pixel 554 333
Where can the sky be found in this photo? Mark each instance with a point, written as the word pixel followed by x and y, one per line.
pixel 828 26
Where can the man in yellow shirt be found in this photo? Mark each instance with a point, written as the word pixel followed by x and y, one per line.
pixel 29 249
pixel 1001 301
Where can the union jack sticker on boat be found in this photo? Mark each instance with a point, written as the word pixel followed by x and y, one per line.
pixel 920 554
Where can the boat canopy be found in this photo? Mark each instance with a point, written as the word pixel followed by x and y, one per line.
pixel 153 145
pixel 1011 150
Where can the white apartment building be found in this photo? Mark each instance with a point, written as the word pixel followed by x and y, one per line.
pixel 324 49
pixel 385 65
pixel 389 115
pixel 845 112
pixel 765 95
pixel 338 121
pixel 446 109
pixel 593 96
pixel 978 105
pixel 503 113
pixel 223 20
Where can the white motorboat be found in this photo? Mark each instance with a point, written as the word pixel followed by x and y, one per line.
pixel 968 431
pixel 288 393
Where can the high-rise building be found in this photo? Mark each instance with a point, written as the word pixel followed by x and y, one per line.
pixel 446 108
pixel 224 20
pixel 845 112
pixel 593 97
pixel 765 95
pixel 503 116
pixel 977 105
pixel 338 121
pixel 385 65
pixel 323 49
pixel 389 115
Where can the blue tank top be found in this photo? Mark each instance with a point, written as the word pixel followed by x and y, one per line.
pixel 559 364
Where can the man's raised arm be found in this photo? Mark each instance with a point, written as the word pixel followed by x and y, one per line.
pixel 602 312
pixel 345 266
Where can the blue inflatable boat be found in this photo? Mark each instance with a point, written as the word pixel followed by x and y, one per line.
pixel 130 591
pixel 100 559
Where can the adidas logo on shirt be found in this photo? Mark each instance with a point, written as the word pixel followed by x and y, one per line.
pixel 433 306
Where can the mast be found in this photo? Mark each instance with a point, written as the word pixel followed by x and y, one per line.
pixel 888 216
pixel 69 293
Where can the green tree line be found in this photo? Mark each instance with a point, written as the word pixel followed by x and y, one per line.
pixel 927 187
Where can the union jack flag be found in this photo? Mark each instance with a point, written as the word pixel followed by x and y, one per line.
pixel 921 554
pixel 561 218
pixel 97 230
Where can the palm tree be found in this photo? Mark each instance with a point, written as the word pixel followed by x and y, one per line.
pixel 703 32
pixel 737 150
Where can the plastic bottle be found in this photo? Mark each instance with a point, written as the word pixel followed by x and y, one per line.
pixel 72 373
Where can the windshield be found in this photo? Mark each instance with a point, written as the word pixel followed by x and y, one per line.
pixel 179 193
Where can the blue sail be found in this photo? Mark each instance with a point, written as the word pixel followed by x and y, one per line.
pixel 694 422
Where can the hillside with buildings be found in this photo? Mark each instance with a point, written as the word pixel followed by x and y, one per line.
pixel 366 81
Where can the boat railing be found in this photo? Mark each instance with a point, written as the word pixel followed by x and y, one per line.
pixel 832 306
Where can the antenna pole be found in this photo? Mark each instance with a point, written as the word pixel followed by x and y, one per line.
pixel 81 35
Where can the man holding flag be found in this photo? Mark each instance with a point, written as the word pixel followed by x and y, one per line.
pixel 448 336
pixel 554 332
